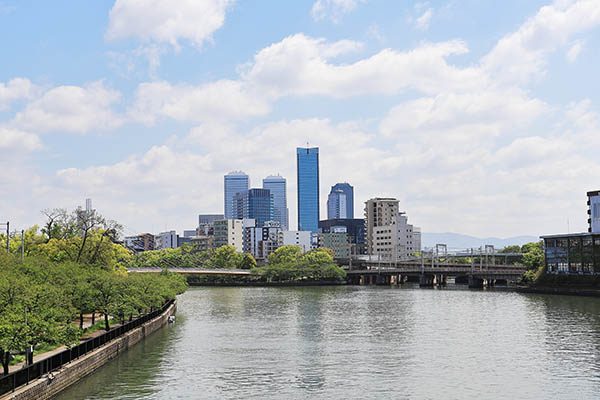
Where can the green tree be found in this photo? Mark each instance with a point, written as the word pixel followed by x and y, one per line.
pixel 226 257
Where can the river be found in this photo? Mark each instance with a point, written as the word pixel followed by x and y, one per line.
pixel 361 342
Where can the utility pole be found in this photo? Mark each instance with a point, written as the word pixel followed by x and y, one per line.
pixel 22 245
pixel 7 237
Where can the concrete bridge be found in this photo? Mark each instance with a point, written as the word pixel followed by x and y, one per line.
pixel 431 275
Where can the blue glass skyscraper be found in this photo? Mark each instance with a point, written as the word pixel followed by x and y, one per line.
pixel 235 182
pixel 277 186
pixel 256 204
pixel 349 192
pixel 308 188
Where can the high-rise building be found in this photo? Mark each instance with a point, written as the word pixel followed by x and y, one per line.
pixel 349 192
pixel 594 211
pixel 336 204
pixel 254 203
pixel 277 185
pixel 302 239
pixel 308 188
pixel 234 182
pixel 229 232
pixel 389 235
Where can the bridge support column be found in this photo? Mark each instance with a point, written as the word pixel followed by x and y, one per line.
pixel 475 283
pixel 427 280
pixel 441 280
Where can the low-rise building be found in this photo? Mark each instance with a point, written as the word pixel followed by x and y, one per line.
pixel 140 243
pixel 261 241
pixel 301 239
pixel 336 241
pixel 203 242
pixel 166 240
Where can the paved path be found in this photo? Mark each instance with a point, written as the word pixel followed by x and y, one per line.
pixel 87 322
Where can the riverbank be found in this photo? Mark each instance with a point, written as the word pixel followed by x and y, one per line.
pixel 50 384
pixel 565 291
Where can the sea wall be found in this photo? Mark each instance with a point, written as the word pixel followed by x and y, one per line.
pixel 45 387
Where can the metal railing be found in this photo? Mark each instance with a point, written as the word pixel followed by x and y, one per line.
pixel 36 370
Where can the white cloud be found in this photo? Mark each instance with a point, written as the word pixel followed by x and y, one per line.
pixel 167 21
pixel 15 141
pixel 522 55
pixel 423 21
pixel 332 9
pixel 574 51
pixel 300 65
pixel 220 100
pixel 15 89
pixel 76 109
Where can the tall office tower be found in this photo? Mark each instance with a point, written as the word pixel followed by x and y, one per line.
pixel 349 191
pixel 308 188
pixel 336 205
pixel 277 185
pixel 254 204
pixel 235 182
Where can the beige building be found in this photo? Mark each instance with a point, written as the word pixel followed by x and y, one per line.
pixel 229 232
pixel 388 233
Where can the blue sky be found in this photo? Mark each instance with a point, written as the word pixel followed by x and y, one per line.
pixel 480 116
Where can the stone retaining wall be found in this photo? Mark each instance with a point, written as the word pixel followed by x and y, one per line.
pixel 44 388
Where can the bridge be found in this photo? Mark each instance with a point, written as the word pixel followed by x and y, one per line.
pixel 194 271
pixel 431 275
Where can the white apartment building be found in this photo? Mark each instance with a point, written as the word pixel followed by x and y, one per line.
pixel 388 233
pixel 301 239
pixel 229 232
pixel 165 240
pixel 261 241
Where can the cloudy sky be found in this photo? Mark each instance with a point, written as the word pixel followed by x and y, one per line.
pixel 480 116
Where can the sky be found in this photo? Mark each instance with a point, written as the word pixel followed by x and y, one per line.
pixel 480 116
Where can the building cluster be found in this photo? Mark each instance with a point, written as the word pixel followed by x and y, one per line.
pixel 576 253
pixel 256 220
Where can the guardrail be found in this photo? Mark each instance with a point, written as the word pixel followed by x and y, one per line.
pixel 36 370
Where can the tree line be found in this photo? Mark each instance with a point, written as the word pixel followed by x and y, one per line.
pixel 72 266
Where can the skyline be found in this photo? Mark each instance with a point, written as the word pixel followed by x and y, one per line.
pixel 481 118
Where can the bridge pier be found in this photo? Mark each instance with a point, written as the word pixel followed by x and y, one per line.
pixel 427 280
pixel 475 283
pixel 441 280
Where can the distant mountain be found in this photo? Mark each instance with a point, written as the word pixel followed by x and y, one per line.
pixel 456 241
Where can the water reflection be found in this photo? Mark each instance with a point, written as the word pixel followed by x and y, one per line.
pixel 361 342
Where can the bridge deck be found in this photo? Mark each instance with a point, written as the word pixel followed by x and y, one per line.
pixel 196 271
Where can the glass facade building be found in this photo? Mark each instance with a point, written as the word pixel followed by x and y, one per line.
pixel 278 187
pixel 336 204
pixel 308 188
pixel 234 183
pixel 572 253
pixel 349 192
pixel 256 204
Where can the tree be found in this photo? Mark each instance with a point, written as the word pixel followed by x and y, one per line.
pixel 284 254
pixel 248 261
pixel 533 255
pixel 225 257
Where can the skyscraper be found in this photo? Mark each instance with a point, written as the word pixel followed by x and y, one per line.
pixel 336 204
pixel 308 188
pixel 256 204
pixel 349 191
pixel 277 186
pixel 235 182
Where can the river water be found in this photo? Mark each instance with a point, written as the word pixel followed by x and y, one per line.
pixel 361 342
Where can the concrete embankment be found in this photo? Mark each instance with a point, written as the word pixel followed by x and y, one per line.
pixel 565 291
pixel 49 385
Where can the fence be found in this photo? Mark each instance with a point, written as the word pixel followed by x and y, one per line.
pixel 23 376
